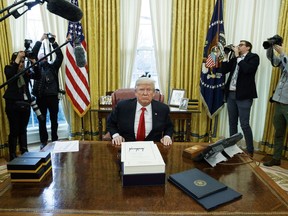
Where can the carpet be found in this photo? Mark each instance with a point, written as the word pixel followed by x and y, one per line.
pixel 278 174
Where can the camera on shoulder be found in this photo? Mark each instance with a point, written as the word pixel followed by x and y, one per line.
pixel 276 39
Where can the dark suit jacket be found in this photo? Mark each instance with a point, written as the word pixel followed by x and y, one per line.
pixel 245 86
pixel 121 120
pixel 13 92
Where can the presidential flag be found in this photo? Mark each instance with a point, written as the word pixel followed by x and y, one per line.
pixel 212 80
pixel 76 80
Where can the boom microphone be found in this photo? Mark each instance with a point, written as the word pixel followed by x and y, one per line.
pixel 65 10
pixel 79 54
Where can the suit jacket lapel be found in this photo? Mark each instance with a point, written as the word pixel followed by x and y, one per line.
pixel 131 121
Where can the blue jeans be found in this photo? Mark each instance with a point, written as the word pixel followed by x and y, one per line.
pixel 280 122
pixel 240 109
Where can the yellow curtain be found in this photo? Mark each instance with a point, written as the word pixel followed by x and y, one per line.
pixel 268 136
pixel 100 24
pixel 190 23
pixel 5 54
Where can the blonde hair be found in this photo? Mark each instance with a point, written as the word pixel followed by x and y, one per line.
pixel 145 80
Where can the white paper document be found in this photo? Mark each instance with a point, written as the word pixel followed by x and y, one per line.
pixel 232 150
pixel 141 157
pixel 66 146
pixel 215 159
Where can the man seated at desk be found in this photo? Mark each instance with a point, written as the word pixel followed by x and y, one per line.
pixel 141 118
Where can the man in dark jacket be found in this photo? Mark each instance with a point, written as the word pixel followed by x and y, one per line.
pixel 46 90
pixel 240 89
pixel 123 123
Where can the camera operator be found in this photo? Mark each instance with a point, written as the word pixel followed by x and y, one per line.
pixel 240 89
pixel 280 99
pixel 47 88
pixel 18 99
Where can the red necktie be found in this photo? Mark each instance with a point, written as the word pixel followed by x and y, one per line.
pixel 141 126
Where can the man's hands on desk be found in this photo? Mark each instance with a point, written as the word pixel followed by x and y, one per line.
pixel 166 140
pixel 117 140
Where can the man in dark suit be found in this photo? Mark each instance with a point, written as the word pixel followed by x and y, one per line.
pixel 124 120
pixel 240 89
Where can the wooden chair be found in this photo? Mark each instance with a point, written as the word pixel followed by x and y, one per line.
pixel 127 93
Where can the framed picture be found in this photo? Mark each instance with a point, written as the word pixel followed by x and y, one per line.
pixel 183 103
pixel 176 96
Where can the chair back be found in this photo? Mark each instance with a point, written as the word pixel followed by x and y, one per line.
pixel 127 93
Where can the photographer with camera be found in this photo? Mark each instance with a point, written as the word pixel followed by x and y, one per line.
pixel 47 88
pixel 280 96
pixel 240 89
pixel 18 99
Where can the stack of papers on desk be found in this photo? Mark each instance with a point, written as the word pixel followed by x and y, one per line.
pixel 141 164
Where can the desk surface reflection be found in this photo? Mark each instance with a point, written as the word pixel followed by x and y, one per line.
pixel 88 182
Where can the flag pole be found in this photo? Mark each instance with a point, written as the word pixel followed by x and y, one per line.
pixel 210 131
pixel 82 129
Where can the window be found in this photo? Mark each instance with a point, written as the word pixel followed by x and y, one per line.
pixel 34 32
pixel 145 63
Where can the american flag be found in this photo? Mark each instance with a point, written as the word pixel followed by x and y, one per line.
pixel 211 61
pixel 76 79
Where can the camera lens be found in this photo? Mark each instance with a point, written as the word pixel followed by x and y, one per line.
pixel 267 44
pixel 227 50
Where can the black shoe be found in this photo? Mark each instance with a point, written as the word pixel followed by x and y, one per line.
pixel 42 145
pixel 250 154
pixel 272 162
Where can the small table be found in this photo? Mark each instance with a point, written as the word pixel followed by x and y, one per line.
pixel 175 114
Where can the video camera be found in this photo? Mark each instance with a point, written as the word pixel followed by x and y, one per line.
pixel 50 37
pixel 28 51
pixel 276 39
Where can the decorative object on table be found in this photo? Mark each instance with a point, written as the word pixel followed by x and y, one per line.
pixel 176 96
pixel 30 167
pixel 183 103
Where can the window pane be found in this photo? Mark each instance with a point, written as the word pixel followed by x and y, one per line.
pixel 145 63
pixel 34 32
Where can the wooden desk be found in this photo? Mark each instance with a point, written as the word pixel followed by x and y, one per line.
pixel 175 114
pixel 88 183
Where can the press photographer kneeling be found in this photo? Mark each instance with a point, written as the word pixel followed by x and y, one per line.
pixel 280 96
pixel 18 99
pixel 46 89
